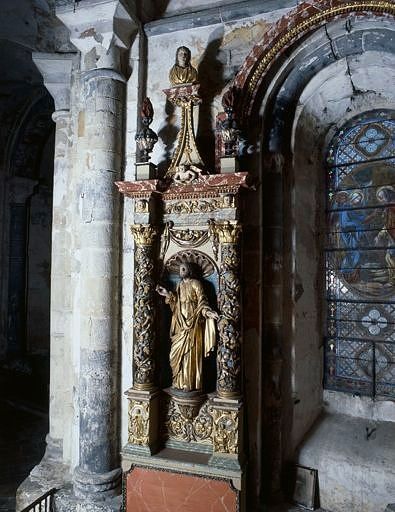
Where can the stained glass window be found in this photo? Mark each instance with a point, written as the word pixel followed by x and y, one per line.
pixel 360 257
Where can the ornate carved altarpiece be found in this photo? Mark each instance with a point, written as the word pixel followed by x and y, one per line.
pixel 186 402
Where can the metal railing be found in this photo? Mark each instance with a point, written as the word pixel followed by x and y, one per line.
pixel 42 504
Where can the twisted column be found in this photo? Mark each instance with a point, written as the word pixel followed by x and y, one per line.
pixel 229 303
pixel 144 286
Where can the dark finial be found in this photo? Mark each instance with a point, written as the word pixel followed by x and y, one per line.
pixel 147 112
pixel 229 99
pixel 146 138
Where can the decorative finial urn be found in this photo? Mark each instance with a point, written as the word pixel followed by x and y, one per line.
pixel 229 129
pixel 146 138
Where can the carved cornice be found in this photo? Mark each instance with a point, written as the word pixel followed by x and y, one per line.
pixel 144 234
pixel 212 185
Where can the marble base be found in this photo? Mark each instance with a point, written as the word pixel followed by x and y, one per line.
pixel 150 490
pixel 170 461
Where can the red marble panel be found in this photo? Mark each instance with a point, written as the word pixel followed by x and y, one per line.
pixel 137 188
pixel 152 490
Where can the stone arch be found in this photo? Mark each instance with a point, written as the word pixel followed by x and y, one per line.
pixel 290 113
pixel 290 29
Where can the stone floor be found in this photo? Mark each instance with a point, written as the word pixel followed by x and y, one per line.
pixel 23 427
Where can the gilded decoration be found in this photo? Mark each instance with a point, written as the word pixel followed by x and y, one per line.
pixel 229 352
pixel 141 206
pixel 144 234
pixel 192 330
pixel 228 232
pixel 377 6
pixel 144 307
pixel 183 72
pixel 226 431
pixel 196 258
pixel 138 422
pixel 200 205
pixel 183 423
pixel 186 164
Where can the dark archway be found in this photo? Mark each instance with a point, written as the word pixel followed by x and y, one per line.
pixel 26 175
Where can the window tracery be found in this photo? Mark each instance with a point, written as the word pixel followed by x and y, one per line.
pixel 360 257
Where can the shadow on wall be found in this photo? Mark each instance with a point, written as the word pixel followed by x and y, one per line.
pixel 168 134
pixel 211 77
pixel 210 73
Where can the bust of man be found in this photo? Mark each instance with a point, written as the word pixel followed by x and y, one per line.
pixel 183 72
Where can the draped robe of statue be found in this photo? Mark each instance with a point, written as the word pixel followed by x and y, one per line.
pixel 192 334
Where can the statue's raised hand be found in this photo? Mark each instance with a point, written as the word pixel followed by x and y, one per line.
pixel 162 291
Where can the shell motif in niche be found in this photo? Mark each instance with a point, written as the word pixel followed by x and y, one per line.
pixel 196 258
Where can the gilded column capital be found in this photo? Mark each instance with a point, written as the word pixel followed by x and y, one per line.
pixel 144 234
pixel 228 232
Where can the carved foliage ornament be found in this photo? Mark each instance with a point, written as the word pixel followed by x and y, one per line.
pixel 185 425
pixel 144 234
pixel 138 422
pixel 226 431
pixel 228 232
pixel 143 307
pixel 200 205
pixel 228 355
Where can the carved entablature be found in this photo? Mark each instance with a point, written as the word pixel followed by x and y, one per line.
pixel 187 318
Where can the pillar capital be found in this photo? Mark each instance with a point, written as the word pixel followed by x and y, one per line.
pixel 56 70
pixel 101 27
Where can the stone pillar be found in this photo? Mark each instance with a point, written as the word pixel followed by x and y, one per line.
pixel 99 31
pixel 273 302
pixel 20 190
pixel 52 471
pixel 143 396
pixel 56 70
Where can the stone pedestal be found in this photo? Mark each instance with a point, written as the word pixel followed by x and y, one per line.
pixel 143 432
pixel 228 434
pixel 145 171
pixel 229 164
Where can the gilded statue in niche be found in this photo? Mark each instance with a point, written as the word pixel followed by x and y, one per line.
pixel 192 330
pixel 183 72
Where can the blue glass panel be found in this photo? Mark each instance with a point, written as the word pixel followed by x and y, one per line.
pixel 360 257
